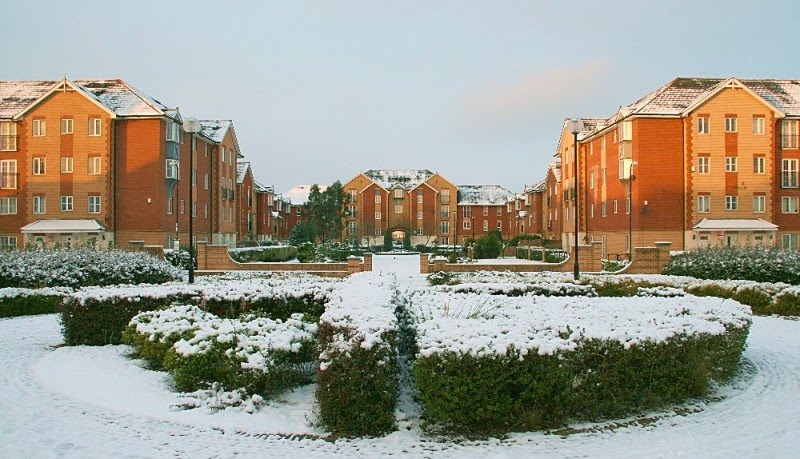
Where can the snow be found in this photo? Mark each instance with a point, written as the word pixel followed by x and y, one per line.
pixel 404 178
pixel 299 195
pixel 95 402
pixel 484 195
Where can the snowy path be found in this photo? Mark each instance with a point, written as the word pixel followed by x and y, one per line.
pixel 45 411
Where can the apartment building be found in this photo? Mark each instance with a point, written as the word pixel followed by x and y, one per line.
pixel 99 162
pixel 483 209
pixel 698 162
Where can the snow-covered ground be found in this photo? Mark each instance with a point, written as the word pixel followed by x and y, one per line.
pixel 96 402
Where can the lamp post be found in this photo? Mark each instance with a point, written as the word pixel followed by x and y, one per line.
pixel 575 126
pixel 192 127
pixel 630 210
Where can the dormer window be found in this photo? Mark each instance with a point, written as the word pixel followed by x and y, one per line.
pixel 173 131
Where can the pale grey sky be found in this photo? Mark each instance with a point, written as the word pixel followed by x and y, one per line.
pixel 320 90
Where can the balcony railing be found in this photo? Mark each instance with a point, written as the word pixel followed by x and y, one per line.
pixel 789 179
pixel 789 141
pixel 8 143
pixel 8 180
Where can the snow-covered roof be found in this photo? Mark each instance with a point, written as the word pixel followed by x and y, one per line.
pixel 484 195
pixel 116 95
pixel 63 226
pixel 403 178
pixel 299 194
pixel 535 188
pixel 241 170
pixel 555 166
pixel 735 224
pixel 215 129
pixel 261 188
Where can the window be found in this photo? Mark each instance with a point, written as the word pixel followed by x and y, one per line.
pixel 466 211
pixel 8 242
pixel 445 227
pixel 183 207
pixel 603 208
pixel 398 208
pixel 39 128
pixel 39 205
pixel 704 203
pixel 94 165
pixel 194 177
pixel 467 225
pixel 445 196
pixel 703 165
pixel 8 137
pixel 499 226
pixel 789 204
pixel 591 210
pixel 351 195
pixel 485 210
pixel 39 166
pixel 170 206
pixel 194 143
pixel 378 231
pixel 194 210
pixel 625 131
pixel 703 125
pixel 377 196
pixel 758 125
pixel 398 193
pixel 205 181
pixel 731 202
pixel 66 203
pixel 352 227
pixel 591 180
pixel 445 211
pixel 486 225
pixel 444 240
pixel 67 164
pixel 67 126
pixel 627 205
pixel 377 215
pixel 419 196
pixel 730 164
pixel 759 165
pixel 8 174
pixel 759 203
pixel 789 134
pixel 95 125
pixel 499 210
pixel 205 211
pixel 419 231
pixel 790 241
pixel 419 215
pixel 730 124
pixel 8 206
pixel 789 173
pixel 172 169
pixel 94 204
pixel 616 206
pixel 222 151
pixel 173 134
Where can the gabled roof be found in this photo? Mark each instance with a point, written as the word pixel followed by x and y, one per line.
pixel 555 166
pixel 66 226
pixel 16 96
pixel 261 188
pixel 215 130
pixel 241 170
pixel 403 178
pixel 537 187
pixel 484 195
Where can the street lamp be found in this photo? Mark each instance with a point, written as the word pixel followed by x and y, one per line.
pixel 576 126
pixel 630 210
pixel 192 127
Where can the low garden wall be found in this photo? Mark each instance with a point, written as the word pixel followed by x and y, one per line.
pixel 212 259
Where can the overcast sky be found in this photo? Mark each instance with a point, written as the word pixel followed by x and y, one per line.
pixel 319 91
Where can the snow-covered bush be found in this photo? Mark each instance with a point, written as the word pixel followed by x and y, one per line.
pixel 488 364
pixel 787 303
pixel 23 302
pixel 82 267
pixel 357 379
pixel 762 264
pixel 267 254
pixel 200 350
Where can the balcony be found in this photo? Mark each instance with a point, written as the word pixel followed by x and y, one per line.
pixel 789 179
pixel 230 194
pixel 789 141
pixel 8 143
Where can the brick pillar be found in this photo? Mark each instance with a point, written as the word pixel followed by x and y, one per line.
pixel 353 264
pixel 439 263
pixel 201 255
pixel 424 264
pixel 663 255
pixel 136 246
pixel 367 261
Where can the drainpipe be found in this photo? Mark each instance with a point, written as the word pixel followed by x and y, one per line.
pixel 685 183
pixel 113 191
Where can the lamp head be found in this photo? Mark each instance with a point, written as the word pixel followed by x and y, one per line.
pixel 575 125
pixel 191 125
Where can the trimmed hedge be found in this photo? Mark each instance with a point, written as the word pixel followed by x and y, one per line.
pixel 16 302
pixel 759 264
pixel 274 308
pixel 600 379
pixel 267 254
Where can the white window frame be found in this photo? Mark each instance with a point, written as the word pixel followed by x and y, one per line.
pixel 95 127
pixel 67 126
pixel 67 203
pixel 205 182
pixel 789 134
pixel 8 205
pixel 731 124
pixel 8 136
pixel 731 202
pixel 67 164
pixel 39 204
pixel 486 225
pixel 444 227
pixel 39 128
pixel 182 206
pixel 398 193
pixel 759 165
pixel 95 166
pixel 378 215
pixel 759 125
pixel 445 196
pixel 703 164
pixel 789 171
pixel 730 164
pixel 39 165
pixel 174 135
pixel 94 204
pixel 8 242
pixel 789 204
pixel 172 169
pixel 377 196
pixel 467 224
pixel 8 174
pixel 759 203
pixel 703 203
pixel 703 125
pixel 419 215
pixel 790 241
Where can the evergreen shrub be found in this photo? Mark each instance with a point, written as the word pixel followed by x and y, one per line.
pixel 265 254
pixel 760 264
pixel 25 302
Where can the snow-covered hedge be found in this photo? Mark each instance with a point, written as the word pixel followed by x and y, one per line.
pixel 23 301
pixel 97 315
pixel 357 379
pixel 82 267
pixel 487 363
pixel 762 264
pixel 269 254
pixel 200 350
